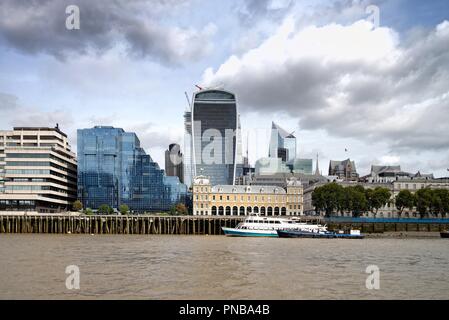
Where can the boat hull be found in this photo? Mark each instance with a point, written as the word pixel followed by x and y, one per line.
pixel 327 235
pixel 233 232
pixel 444 234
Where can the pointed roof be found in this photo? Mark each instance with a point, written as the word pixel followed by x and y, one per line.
pixel 282 132
pixel 317 170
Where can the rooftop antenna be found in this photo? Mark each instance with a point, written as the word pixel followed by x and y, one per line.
pixel 198 87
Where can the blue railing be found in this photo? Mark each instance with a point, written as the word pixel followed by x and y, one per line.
pixel 386 220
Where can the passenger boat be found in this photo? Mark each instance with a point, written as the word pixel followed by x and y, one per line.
pixel 444 234
pixel 257 226
pixel 354 234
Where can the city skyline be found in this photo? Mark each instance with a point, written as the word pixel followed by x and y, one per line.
pixel 140 87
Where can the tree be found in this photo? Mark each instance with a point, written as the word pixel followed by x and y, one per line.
pixel 423 201
pixel 179 208
pixel 89 212
pixel 77 205
pixel 369 196
pixel 327 198
pixel 404 199
pixel 379 198
pixel 317 200
pixel 124 209
pixel 355 200
pixel 105 209
pixel 439 201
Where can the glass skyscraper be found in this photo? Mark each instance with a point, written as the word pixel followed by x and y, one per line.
pixel 282 144
pixel 212 134
pixel 114 169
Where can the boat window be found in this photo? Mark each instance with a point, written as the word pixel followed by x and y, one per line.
pixel 277 222
pixel 265 221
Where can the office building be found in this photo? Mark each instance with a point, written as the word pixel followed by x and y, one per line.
pixel 188 149
pixel 37 170
pixel 213 133
pixel 270 166
pixel 282 144
pixel 114 169
pixel 302 166
pixel 175 189
pixel 174 166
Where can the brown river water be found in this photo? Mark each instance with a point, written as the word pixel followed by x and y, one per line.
pixel 218 267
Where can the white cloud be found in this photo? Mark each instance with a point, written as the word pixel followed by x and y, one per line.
pixel 353 81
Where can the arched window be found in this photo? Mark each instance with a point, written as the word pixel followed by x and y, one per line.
pixel 283 211
pixel 214 210
pixel 235 211
pixel 228 210
pixel 276 211
pixel 256 209
pixel 242 211
pixel 270 211
pixel 220 211
pixel 249 210
pixel 262 211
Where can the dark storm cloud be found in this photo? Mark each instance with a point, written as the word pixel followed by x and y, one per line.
pixel 39 26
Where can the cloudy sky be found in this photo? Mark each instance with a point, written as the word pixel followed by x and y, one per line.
pixel 335 72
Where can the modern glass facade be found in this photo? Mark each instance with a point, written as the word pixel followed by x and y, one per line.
pixel 188 149
pixel 303 166
pixel 115 170
pixel 176 189
pixel 215 135
pixel 282 144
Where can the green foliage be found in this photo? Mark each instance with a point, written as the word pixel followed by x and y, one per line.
pixel 328 198
pixel 105 209
pixel 379 198
pixel 124 209
pixel 88 212
pixel 180 208
pixel 355 200
pixel 432 201
pixel 404 199
pixel 423 201
pixel 77 205
pixel 440 201
pixel 333 197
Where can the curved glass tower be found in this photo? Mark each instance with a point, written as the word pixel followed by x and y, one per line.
pixel 215 134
